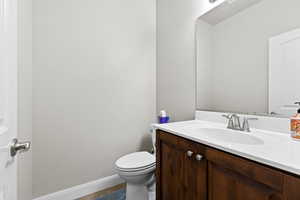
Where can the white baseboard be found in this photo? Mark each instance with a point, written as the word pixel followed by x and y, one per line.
pixel 84 189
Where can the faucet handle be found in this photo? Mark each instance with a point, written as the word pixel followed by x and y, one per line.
pixel 230 124
pixel 228 116
pixel 246 126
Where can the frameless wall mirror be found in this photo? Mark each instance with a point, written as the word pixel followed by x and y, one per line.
pixel 248 57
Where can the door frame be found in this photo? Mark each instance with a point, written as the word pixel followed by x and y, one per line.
pixel 9 34
pixel 275 47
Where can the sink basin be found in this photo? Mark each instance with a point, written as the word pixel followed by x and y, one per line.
pixel 232 136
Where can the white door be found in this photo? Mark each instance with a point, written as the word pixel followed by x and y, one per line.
pixel 284 73
pixel 8 101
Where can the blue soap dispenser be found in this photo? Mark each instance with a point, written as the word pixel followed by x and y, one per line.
pixel 163 117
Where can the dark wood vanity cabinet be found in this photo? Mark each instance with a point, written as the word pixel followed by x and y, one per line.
pixel 187 170
pixel 226 183
pixel 180 175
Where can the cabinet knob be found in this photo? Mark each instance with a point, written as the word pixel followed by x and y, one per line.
pixel 189 153
pixel 199 157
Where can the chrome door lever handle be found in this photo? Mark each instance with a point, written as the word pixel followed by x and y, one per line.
pixel 19 147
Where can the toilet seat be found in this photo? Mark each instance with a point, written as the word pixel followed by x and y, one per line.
pixel 137 172
pixel 136 169
pixel 136 162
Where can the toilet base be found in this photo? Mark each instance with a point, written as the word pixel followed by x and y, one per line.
pixel 136 192
pixel 140 192
pixel 151 188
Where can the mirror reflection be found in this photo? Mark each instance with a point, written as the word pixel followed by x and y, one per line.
pixel 248 57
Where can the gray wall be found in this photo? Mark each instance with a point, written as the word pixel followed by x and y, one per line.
pixel 93 87
pixel 176 20
pixel 25 96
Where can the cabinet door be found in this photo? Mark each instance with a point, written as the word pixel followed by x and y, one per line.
pixel 180 176
pixel 291 188
pixel 225 184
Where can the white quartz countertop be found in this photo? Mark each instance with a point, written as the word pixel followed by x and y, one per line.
pixel 276 149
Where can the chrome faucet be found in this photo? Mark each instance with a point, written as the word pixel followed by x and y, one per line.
pixel 235 124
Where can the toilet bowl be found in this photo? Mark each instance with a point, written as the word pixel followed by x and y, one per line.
pixel 137 169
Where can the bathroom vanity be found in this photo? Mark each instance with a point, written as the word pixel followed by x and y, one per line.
pixel 193 164
pixel 247 63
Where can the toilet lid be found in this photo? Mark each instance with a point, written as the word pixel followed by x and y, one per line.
pixel 136 160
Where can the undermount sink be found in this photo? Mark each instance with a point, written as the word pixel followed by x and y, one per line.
pixel 232 136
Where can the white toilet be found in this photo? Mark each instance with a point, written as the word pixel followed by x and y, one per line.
pixel 137 169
